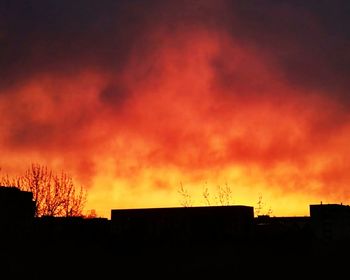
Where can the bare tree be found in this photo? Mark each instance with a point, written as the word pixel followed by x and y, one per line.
pixel 186 200
pixel 73 199
pixel 6 181
pixel 54 195
pixel 90 214
pixel 206 196
pixel 225 195
pixel 222 197
pixel 261 207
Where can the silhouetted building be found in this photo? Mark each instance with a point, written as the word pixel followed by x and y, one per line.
pixel 281 226
pixel 182 239
pixel 17 210
pixel 77 230
pixel 330 222
pixel 183 226
pixel 282 236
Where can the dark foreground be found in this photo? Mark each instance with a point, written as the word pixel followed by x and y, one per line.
pixel 39 255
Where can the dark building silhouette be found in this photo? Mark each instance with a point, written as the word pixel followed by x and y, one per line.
pixel 80 232
pixel 183 225
pixel 282 241
pixel 17 210
pixel 330 228
pixel 183 240
pixel 330 222
pixel 279 229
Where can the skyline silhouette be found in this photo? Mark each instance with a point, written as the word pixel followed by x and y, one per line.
pixel 208 240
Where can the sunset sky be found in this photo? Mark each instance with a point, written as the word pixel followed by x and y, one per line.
pixel 136 98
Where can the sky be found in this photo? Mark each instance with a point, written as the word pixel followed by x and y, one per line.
pixel 136 99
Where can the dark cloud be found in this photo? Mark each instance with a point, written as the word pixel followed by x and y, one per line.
pixel 31 134
pixel 59 135
pixel 65 37
pixel 307 41
pixel 114 95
